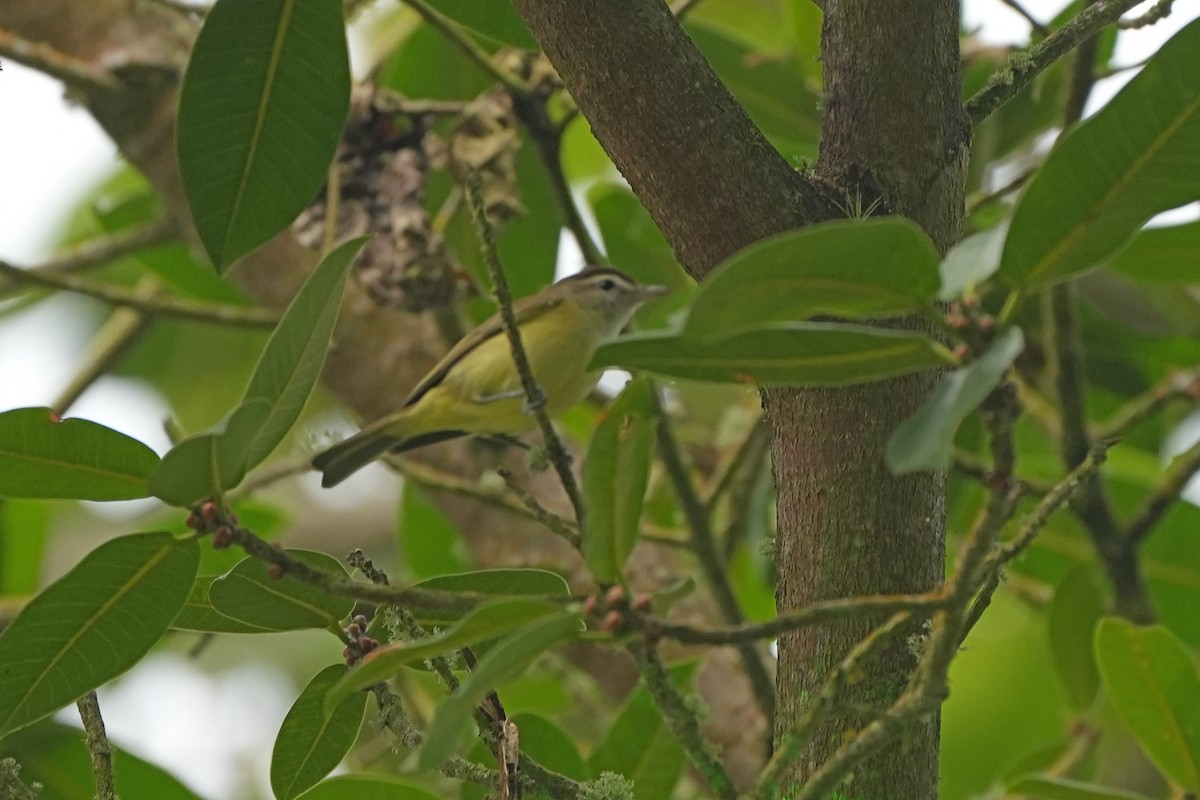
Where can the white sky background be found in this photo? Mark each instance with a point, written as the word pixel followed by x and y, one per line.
pixel 51 155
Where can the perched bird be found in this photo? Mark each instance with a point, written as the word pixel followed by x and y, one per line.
pixel 475 388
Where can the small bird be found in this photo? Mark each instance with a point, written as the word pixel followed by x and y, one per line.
pixel 476 389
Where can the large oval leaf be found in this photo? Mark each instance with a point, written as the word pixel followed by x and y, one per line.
pixel 198 614
pixel 311 743
pixel 207 464
pixel 861 268
pixel 615 476
pixel 292 360
pixel 1135 158
pixel 496 21
pixel 42 455
pixel 1154 686
pixel 796 353
pixel 925 440
pixel 261 111
pixel 249 594
pixel 93 623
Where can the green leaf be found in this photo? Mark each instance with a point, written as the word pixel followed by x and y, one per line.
pixel 261 111
pixel 862 268
pixel 615 476
pixel 367 788
pixel 1063 789
pixel 796 353
pixel 250 595
pixel 972 261
pixel 57 757
pixel 92 624
pixel 871 268
pixel 1154 686
pixel 484 622
pixel 292 360
pixel 1169 254
pixel 500 582
pixel 310 743
pixel 498 22
pixel 504 661
pixel 208 464
pixel 24 527
pixel 925 440
pixel 639 746
pixel 1078 605
pixel 198 614
pixel 1136 157
pixel 42 455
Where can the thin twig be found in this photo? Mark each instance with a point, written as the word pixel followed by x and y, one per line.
pixel 534 396
pixel 1178 385
pixel 98 746
pixel 715 572
pixel 553 521
pixel 1031 525
pixel 389 101
pixel 1023 67
pixel 468 47
pixel 547 138
pixel 419 600
pixel 1038 27
pixel 70 70
pixel 794 742
pixel 681 721
pixel 94 252
pixel 972 467
pixel 1178 474
pixel 1156 13
pixel 110 342
pixel 1002 191
pixel 178 308
pixel 752 449
pixel 815 614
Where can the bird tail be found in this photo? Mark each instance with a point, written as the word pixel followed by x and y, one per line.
pixel 345 458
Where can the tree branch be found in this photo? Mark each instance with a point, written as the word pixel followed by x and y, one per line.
pixel 711 563
pixel 1182 470
pixel 1024 66
pixel 178 308
pixel 98 746
pixel 534 396
pixel 815 614
pixel 74 72
pixel 647 93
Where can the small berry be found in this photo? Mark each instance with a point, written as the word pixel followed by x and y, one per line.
pixel 274 571
pixel 353 630
pixel 615 596
pixel 643 603
pixel 194 522
pixel 612 621
pixel 208 512
pixel 360 620
pixel 222 537
pixel 590 606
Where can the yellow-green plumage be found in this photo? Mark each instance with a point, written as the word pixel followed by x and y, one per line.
pixel 475 388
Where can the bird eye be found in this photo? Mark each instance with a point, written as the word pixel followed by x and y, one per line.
pixel 608 284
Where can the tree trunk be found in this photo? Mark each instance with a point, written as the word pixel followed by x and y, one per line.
pixel 893 131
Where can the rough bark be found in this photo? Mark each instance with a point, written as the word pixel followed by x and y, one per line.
pixel 893 129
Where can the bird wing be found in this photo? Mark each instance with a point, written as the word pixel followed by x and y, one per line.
pixel 524 310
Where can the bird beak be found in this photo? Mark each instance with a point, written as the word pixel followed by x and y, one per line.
pixel 650 292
